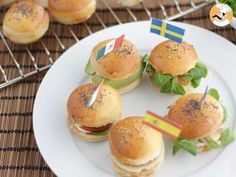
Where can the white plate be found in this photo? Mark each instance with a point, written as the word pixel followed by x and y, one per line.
pixel 67 156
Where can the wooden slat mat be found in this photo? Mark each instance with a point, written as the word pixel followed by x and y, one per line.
pixel 19 155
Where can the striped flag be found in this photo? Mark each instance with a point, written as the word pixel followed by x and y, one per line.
pixel 167 30
pixel 165 126
pixel 109 47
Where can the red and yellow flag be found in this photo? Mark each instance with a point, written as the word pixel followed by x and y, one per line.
pixel 165 126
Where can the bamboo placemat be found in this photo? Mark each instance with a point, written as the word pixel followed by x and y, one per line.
pixel 19 154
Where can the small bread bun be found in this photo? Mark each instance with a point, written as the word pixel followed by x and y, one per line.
pixel 118 64
pixel 197 122
pixel 72 11
pixel 128 3
pixel 105 110
pixel 5 2
pixel 170 57
pixel 25 22
pixel 136 149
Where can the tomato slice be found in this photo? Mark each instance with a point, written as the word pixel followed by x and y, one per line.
pixel 97 129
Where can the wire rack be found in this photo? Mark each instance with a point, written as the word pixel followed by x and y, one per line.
pixel 5 80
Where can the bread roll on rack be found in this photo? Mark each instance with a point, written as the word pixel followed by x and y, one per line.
pixel 25 22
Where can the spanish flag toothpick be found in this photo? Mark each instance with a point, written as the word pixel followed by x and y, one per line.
pixel 165 126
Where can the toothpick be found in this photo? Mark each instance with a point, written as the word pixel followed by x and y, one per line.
pixel 202 100
pixel 94 95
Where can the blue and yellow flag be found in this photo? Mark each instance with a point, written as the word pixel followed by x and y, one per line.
pixel 165 126
pixel 167 30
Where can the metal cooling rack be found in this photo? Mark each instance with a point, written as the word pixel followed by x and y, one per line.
pixel 38 68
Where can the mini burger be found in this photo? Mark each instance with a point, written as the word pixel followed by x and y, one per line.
pixel 202 123
pixel 136 149
pixel 122 68
pixel 93 123
pixel 174 66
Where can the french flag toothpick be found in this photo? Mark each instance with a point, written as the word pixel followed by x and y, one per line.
pixel 109 47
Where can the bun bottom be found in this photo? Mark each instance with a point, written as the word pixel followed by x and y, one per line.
pixel 85 136
pixel 130 87
pixel 146 172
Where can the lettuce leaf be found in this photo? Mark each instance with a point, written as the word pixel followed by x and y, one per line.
pixel 160 79
pixel 188 145
pixel 195 83
pixel 149 68
pixel 167 83
pixel 214 93
pixel 172 86
pixel 196 74
pixel 211 144
pixel 145 58
pixel 227 136
pixel 225 112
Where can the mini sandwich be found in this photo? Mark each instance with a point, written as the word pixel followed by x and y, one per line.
pixel 136 149
pixel 201 121
pixel 93 123
pixel 173 67
pixel 122 68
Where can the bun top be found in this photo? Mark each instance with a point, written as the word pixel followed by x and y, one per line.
pixel 133 142
pixel 170 57
pixel 106 108
pixel 197 122
pixel 69 5
pixel 118 64
pixel 25 16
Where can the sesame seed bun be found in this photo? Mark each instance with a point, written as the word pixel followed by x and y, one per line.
pixel 118 64
pixel 134 143
pixel 72 11
pixel 106 108
pixel 197 122
pixel 172 58
pixel 25 22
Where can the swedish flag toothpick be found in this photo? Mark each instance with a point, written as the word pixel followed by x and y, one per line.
pixel 167 30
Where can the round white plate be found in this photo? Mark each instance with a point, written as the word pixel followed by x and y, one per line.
pixel 67 156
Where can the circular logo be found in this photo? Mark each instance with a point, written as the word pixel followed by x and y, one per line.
pixel 221 14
